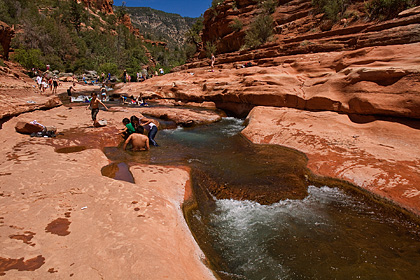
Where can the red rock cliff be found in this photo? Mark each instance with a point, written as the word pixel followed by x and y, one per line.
pixel 6 35
pixel 353 66
pixel 298 28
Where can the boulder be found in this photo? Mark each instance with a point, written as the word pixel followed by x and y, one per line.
pixel 28 128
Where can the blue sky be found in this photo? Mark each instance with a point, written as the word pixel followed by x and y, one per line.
pixel 186 8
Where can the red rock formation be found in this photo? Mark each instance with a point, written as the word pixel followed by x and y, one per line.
pixel 6 35
pixel 355 67
pixel 156 43
pixel 379 156
pixel 126 21
pixel 298 29
pixel 381 80
pixel 104 6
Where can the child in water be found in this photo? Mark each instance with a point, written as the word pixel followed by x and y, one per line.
pixel 129 128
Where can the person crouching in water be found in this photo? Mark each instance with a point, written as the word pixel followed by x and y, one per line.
pixel 151 128
pixel 129 128
pixel 94 105
pixel 139 141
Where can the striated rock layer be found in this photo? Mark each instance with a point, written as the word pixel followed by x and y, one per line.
pixel 381 80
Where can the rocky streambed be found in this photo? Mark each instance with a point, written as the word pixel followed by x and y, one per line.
pixel 60 215
pixel 61 218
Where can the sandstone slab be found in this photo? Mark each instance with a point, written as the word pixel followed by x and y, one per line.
pixel 60 218
pixel 379 156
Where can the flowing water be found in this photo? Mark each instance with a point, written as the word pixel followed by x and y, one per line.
pixel 309 232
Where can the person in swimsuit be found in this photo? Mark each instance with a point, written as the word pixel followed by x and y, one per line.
pixel 94 105
pixel 71 88
pixel 55 85
pixel 139 142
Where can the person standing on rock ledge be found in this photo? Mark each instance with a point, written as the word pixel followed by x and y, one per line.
pixel 213 60
pixel 94 105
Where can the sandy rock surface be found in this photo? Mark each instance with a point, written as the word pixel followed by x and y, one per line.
pixel 61 219
pixel 379 156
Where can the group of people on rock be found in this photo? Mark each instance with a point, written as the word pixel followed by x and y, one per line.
pixel 44 83
pixel 134 130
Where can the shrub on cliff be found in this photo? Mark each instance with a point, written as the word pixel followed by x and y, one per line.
pixel 214 5
pixel 261 29
pixel 332 8
pixel 268 6
pixel 210 48
pixel 236 25
pixel 386 9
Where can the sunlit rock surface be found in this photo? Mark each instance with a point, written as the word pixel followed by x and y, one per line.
pixel 61 218
pixel 379 156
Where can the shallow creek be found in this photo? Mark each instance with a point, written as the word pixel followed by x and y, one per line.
pixel 328 231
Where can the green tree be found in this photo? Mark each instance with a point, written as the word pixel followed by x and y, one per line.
pixel 121 11
pixel 76 14
pixel 108 68
pixel 29 58
pixel 193 34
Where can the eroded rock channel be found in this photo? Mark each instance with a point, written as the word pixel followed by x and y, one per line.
pixel 259 213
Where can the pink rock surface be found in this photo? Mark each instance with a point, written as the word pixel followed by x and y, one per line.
pixel 60 218
pixel 381 157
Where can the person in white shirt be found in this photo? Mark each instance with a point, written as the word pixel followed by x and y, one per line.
pixel 151 128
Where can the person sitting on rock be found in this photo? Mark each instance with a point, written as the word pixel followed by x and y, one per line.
pixel 138 141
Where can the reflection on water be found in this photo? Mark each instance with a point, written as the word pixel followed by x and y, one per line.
pixel 308 233
pixel 118 171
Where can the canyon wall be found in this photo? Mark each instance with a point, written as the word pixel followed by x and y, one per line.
pixel 352 66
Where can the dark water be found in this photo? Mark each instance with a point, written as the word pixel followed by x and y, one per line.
pixel 307 233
